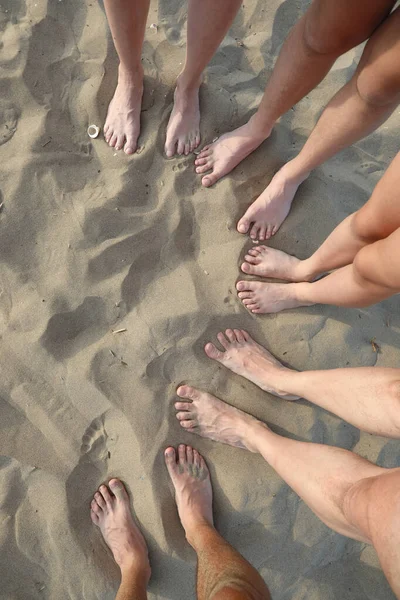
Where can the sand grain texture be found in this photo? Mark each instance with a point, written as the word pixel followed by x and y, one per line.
pixel 92 242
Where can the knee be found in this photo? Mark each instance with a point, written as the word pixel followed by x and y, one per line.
pixel 229 593
pixel 377 88
pixel 393 392
pixel 362 268
pixel 318 39
pixel 365 226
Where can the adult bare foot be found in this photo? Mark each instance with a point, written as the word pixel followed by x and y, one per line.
pixel 193 492
pixel 266 298
pixel 228 151
pixel 111 512
pixel 183 130
pixel 122 126
pixel 268 262
pixel 250 360
pixel 268 212
pixel 209 417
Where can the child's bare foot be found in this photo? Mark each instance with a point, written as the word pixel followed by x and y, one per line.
pixel 209 417
pixel 228 151
pixel 111 512
pixel 268 262
pixel 122 126
pixel 268 212
pixel 183 130
pixel 265 298
pixel 250 360
pixel 193 492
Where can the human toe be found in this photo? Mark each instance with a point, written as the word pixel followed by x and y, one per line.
pixel 105 492
pixel 118 489
pixel 186 391
pixel 213 352
pixel 243 225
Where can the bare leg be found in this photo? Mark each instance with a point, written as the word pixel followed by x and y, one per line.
pixel 111 512
pixel 376 220
pixel 326 31
pixel 208 22
pixel 366 397
pixel 356 110
pixel 127 20
pixel 373 276
pixel 348 493
pixel 222 573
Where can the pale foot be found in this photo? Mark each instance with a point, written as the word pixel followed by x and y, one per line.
pixel 193 492
pixel 111 512
pixel 268 212
pixel 209 417
pixel 268 262
pixel 265 298
pixel 183 130
pixel 122 126
pixel 250 360
pixel 228 151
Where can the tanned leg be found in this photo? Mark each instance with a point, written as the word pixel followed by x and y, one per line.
pixel 366 397
pixel 376 220
pixel 110 511
pixel 208 22
pixel 222 573
pixel 327 30
pixel 347 492
pixel 359 108
pixel 127 20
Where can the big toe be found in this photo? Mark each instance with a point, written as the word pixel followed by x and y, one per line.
pixel 249 269
pixel 243 225
pixel 170 459
pixel 213 352
pixel 118 489
pixel 209 180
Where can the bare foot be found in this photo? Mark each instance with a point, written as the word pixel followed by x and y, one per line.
pixel 228 151
pixel 183 130
pixel 268 262
pixel 268 212
pixel 193 492
pixel 265 298
pixel 122 126
pixel 209 417
pixel 111 512
pixel 250 360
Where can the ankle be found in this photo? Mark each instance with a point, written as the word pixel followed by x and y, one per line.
pixel 302 293
pixel 260 127
pixel 198 534
pixel 294 172
pixel 187 84
pixel 135 571
pixel 303 271
pixel 132 75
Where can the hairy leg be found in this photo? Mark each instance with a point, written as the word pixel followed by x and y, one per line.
pixel 347 492
pixel 127 22
pixel 366 397
pixel 110 511
pixel 222 573
pixel 359 108
pixel 208 22
pixel 327 30
pixel 319 474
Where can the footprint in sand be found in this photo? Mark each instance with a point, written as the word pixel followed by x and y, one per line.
pixel 8 121
pixel 109 449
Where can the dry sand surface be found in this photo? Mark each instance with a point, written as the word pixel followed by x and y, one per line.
pixel 93 241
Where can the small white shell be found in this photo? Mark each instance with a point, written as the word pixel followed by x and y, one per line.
pixel 93 131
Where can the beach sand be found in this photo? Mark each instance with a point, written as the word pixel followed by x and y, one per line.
pixel 93 241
